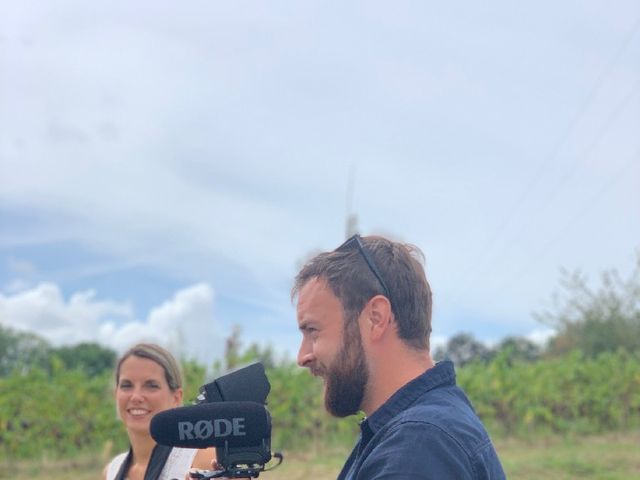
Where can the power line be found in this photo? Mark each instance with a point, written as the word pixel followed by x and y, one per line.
pixel 487 250
pixel 615 113
pixel 610 120
pixel 587 206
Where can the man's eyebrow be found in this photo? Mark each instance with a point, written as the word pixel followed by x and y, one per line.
pixel 305 324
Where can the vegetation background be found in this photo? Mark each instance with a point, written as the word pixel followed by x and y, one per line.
pixel 570 409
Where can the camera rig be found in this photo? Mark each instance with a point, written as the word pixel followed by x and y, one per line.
pixel 250 384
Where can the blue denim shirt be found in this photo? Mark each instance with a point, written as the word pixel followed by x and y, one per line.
pixel 426 430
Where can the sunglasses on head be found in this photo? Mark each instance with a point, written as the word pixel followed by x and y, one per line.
pixel 357 241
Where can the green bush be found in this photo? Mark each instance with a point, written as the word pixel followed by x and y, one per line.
pixel 568 394
pixel 63 413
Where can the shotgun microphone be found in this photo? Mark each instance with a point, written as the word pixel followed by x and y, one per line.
pixel 228 424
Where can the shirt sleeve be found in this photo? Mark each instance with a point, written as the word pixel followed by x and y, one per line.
pixel 416 450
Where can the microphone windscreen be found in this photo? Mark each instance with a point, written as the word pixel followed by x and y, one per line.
pixel 241 424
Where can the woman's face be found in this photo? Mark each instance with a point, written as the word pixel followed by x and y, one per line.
pixel 142 391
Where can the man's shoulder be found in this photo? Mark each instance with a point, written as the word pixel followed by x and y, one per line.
pixel 446 412
pixel 440 432
pixel 444 400
pixel 419 443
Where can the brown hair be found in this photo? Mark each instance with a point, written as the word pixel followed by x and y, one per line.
pixel 354 283
pixel 161 356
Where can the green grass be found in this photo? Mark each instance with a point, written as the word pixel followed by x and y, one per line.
pixel 612 456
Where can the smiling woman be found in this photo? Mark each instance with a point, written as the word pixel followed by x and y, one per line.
pixel 148 381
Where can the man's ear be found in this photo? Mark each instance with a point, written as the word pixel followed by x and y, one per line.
pixel 380 316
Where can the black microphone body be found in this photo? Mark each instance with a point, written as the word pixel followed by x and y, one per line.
pixel 223 424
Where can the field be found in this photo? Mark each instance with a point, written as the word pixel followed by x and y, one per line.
pixel 614 456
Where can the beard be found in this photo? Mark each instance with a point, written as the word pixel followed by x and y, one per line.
pixel 347 377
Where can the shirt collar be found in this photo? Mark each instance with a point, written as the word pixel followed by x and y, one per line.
pixel 439 375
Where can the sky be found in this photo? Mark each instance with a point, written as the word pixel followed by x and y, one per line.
pixel 166 167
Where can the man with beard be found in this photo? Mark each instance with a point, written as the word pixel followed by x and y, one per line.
pixel 364 310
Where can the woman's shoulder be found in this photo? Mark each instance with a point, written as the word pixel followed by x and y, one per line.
pixel 111 470
pixel 182 455
pixel 178 463
pixel 193 457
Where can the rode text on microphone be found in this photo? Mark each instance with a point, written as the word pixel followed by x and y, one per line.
pixel 231 415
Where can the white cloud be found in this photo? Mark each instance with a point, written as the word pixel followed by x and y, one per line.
pixel 44 310
pixel 184 323
pixel 541 336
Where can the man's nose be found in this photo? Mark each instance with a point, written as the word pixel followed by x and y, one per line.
pixel 305 355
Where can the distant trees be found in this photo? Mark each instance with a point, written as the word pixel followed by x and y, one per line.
pixel 91 358
pixel 518 348
pixel 237 355
pixel 464 349
pixel 595 320
pixel 591 320
pixel 23 352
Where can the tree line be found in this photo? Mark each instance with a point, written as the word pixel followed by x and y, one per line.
pixel 59 400
pixel 590 319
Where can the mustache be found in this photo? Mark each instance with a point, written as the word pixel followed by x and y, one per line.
pixel 317 370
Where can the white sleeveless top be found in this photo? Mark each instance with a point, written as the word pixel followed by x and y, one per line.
pixel 177 465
